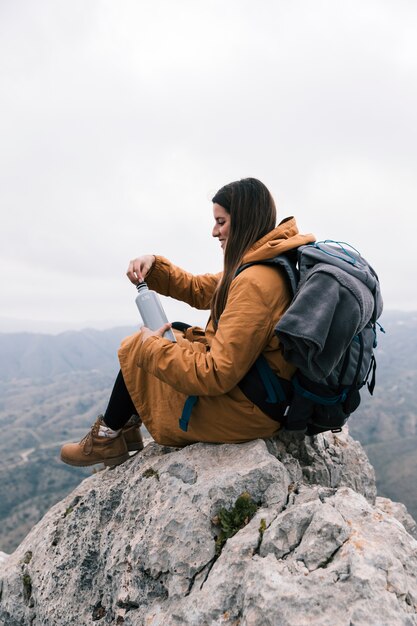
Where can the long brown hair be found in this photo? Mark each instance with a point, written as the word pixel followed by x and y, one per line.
pixel 252 215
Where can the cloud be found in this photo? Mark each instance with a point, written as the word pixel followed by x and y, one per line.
pixel 118 120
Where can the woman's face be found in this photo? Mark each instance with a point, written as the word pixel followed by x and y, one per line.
pixel 221 224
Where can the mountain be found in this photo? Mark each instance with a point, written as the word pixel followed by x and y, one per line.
pixel 30 484
pixel 53 386
pixel 284 531
pixel 386 424
pixel 38 356
pixel 51 390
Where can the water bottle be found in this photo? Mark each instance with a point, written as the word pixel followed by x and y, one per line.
pixel 151 311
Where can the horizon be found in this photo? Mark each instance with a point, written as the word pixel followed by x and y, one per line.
pixel 10 326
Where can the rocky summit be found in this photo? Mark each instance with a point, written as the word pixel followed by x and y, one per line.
pixel 282 532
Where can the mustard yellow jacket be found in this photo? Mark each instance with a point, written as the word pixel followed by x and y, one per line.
pixel 160 375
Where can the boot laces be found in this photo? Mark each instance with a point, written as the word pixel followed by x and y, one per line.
pixel 87 440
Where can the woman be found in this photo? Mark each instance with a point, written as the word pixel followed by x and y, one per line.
pixel 158 376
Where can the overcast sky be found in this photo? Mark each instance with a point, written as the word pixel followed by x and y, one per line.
pixel 118 121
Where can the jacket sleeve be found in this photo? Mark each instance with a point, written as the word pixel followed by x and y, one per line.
pixel 257 299
pixel 170 280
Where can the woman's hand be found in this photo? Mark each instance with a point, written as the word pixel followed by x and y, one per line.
pixel 138 268
pixel 147 332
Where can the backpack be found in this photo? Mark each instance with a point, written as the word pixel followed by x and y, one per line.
pixel 328 332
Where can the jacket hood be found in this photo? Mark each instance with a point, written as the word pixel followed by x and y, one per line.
pixel 283 238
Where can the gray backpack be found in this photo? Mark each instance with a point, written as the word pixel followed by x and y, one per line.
pixel 328 332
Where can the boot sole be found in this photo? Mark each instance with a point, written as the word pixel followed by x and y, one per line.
pixel 111 462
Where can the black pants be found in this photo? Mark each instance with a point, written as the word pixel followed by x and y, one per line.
pixel 120 407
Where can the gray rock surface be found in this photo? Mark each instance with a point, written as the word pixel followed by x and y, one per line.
pixel 136 545
pixel 399 511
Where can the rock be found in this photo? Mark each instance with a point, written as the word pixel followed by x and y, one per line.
pixel 399 511
pixel 3 557
pixel 332 460
pixel 136 545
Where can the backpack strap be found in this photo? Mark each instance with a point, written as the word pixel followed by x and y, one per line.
pixel 315 397
pixel 273 387
pixel 186 412
pixel 287 262
pixel 372 368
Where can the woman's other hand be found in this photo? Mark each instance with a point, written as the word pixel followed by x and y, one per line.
pixel 138 268
pixel 147 332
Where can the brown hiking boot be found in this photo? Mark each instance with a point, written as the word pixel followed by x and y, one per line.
pixel 132 435
pixel 93 449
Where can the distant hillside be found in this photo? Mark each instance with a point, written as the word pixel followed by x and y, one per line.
pixel 39 356
pixel 31 483
pixel 386 424
pixel 52 388
pixel 392 411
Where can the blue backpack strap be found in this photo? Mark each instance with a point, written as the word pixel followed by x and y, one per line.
pixel 186 412
pixel 318 399
pixel 273 387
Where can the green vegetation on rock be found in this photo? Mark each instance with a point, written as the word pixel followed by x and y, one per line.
pixel 233 519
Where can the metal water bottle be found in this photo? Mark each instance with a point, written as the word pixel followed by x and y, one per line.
pixel 151 311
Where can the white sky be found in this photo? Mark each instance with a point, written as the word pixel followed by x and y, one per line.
pixel 119 119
